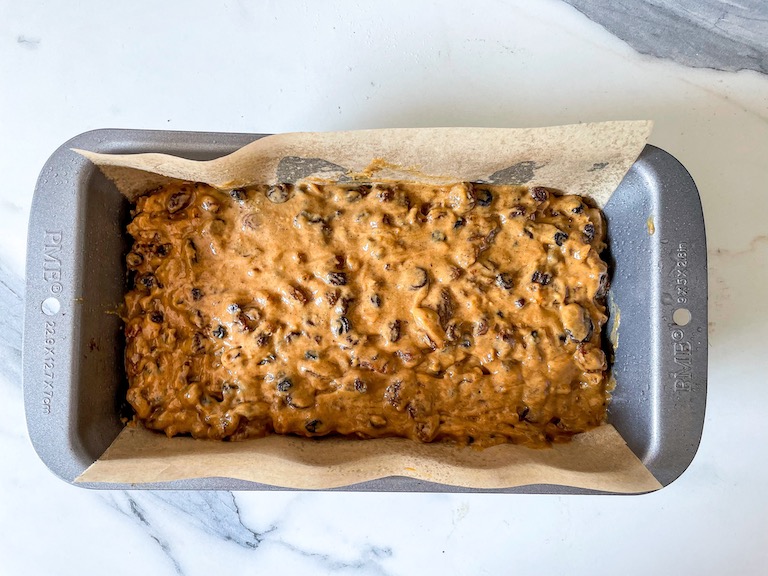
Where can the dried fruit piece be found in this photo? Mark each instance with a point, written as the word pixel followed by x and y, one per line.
pixel 134 259
pixel 394 331
pixel 341 326
pixel 417 278
pixel 312 426
pixel 284 384
pixel 504 280
pixel 539 193
pixel 178 201
pixel 337 278
pixel 279 193
pixel 238 194
pixel 484 197
pixel 541 278
pixel 589 232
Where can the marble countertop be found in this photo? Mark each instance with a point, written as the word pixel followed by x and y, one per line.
pixel 697 68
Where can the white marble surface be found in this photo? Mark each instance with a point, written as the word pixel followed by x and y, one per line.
pixel 279 66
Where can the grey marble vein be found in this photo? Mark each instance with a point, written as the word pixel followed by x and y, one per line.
pixel 216 514
pixel 213 513
pixel 11 321
pixel 728 36
pixel 366 563
pixel 139 514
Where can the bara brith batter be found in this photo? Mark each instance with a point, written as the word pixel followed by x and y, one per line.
pixel 466 312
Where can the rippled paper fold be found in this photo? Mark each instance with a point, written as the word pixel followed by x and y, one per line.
pixel 587 159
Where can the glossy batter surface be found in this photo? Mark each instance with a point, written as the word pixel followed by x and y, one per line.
pixel 469 313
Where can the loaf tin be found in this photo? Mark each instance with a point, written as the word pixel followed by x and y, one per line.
pixel 73 344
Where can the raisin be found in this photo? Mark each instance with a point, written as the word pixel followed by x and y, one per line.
pixel 438 236
pixel 445 307
pixel 504 280
pixel 385 194
pixel 164 249
pixel 342 326
pixel 520 302
pixel 337 278
pixel 178 201
pixel 252 221
pixel 312 425
pixel 310 355
pixel 198 343
pixel 522 413
pixel 484 197
pixel 482 327
pixel 196 294
pixel 394 331
pixel 291 336
pixel 392 393
pixel 279 193
pixel 589 232
pixel 284 384
pixel 268 360
pixel 541 278
pixel 156 317
pixel 233 308
pixel 134 259
pixel 459 223
pixel 298 295
pixel 332 297
pixel 539 193
pixel 262 340
pixel 376 301
pixel 488 240
pixel 466 343
pixel 244 322
pixel 147 280
pixel 418 278
pixel 311 217
pixel 344 303
pixel 360 386
pixel 518 210
pixel 603 286
pixel 220 332
pixel 560 237
pixel 238 194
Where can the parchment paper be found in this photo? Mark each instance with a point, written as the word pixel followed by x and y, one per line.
pixel 587 159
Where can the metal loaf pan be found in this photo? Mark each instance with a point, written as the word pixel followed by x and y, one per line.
pixel 73 345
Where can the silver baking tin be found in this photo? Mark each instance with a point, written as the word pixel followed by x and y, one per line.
pixel 73 344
